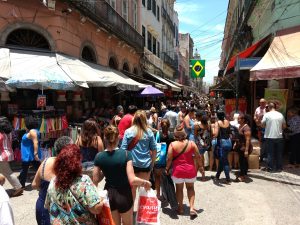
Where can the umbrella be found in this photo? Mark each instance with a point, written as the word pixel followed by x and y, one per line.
pixel 151 91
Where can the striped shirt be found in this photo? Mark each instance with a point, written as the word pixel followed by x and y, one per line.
pixel 294 124
pixel 6 152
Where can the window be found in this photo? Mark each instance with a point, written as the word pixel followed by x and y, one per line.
pixel 154 7
pixel 144 34
pixel 158 13
pixel 135 16
pixel 88 54
pixel 112 3
pixel 149 41
pixel 144 2
pixel 158 49
pixel 125 9
pixel 149 4
pixel 154 46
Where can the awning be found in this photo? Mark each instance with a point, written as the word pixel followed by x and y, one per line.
pixel 227 84
pixel 175 83
pixel 164 81
pixel 246 53
pixel 34 70
pixel 96 75
pixel 282 59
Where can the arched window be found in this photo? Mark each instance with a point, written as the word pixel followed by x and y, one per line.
pixel 27 38
pixel 113 63
pixel 125 67
pixel 135 71
pixel 88 54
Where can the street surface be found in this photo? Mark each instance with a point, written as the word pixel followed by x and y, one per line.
pixel 267 199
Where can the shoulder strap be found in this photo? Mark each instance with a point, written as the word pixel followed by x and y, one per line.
pixel 77 199
pixel 183 151
pixel 133 143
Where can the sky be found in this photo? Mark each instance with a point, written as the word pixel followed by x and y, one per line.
pixel 205 21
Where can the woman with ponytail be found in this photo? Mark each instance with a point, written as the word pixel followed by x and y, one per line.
pixel 116 166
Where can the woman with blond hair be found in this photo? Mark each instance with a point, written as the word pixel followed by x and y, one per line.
pixel 140 141
pixel 118 181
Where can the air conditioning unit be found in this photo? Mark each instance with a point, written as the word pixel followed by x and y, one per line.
pixel 50 4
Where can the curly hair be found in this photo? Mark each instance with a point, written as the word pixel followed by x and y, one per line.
pixel 5 125
pixel 67 167
pixel 90 131
pixel 62 142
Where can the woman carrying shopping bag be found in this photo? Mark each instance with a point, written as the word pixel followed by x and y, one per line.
pixel 116 166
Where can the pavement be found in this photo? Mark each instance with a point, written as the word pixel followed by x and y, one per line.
pixel 265 199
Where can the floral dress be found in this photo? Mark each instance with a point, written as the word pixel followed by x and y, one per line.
pixel 71 206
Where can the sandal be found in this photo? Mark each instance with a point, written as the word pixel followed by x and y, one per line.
pixel 193 214
pixel 17 192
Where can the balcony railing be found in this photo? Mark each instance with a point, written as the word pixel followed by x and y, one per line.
pixel 167 17
pixel 104 15
pixel 168 60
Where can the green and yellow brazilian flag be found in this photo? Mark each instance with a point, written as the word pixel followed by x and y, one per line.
pixel 197 68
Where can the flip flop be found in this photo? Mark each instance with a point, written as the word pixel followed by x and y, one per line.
pixel 193 214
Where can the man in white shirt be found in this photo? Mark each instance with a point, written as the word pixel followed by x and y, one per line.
pixel 6 213
pixel 274 123
pixel 171 115
pixel 258 115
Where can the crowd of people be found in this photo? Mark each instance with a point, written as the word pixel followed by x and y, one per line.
pixel 126 154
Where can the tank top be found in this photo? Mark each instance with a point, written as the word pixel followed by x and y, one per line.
pixel 183 166
pixel 88 153
pixel 224 133
pixel 27 149
pixel 44 184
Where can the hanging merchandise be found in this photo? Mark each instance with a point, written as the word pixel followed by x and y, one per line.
pixel 41 101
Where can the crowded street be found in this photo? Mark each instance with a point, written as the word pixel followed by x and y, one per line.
pixel 149 112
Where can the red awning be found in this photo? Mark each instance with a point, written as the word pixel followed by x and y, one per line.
pixel 246 53
pixel 282 60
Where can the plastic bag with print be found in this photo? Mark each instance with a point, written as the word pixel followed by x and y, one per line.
pixel 148 212
pixel 105 217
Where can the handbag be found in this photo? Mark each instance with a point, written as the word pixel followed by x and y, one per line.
pixel 161 152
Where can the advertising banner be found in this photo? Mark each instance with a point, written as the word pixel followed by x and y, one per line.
pixel 279 97
pixel 230 106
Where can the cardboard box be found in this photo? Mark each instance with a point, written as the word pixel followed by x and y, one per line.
pixel 256 150
pixel 253 161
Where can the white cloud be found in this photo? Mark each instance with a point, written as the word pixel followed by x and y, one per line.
pixel 188 21
pixel 211 70
pixel 219 27
pixel 182 8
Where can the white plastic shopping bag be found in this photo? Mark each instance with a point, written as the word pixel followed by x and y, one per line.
pixel 148 212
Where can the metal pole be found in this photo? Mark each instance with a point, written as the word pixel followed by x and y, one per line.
pixel 237 83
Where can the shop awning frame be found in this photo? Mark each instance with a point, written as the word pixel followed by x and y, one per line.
pixel 247 53
pixel 164 81
pixel 282 60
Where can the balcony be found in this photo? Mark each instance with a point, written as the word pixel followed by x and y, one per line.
pixel 104 15
pixel 168 60
pixel 167 17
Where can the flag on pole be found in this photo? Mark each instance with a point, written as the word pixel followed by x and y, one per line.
pixel 197 68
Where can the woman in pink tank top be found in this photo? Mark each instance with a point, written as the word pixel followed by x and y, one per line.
pixel 183 154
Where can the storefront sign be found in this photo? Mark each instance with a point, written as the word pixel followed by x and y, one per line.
pixel 230 106
pixel 279 97
pixel 41 101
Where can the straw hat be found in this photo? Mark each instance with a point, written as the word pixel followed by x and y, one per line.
pixel 179 133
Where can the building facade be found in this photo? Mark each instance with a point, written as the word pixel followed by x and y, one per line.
pixel 186 46
pixel 91 30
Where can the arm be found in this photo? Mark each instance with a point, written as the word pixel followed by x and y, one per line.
pixel 133 180
pixel 187 123
pixel 263 121
pixel 153 148
pixel 169 158
pixel 33 136
pixel 199 164
pixel 96 209
pixel 100 146
pixel 36 183
pixel 248 141
pixel 216 129
pixel 97 175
